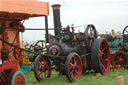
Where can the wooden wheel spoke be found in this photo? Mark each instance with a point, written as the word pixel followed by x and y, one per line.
pixel 71 72
pixel 105 61
pixel 104 49
pixel 75 62
pixel 70 65
pixel 100 55
pixel 101 52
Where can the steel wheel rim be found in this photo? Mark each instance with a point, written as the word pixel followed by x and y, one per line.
pixel 43 68
pixel 19 80
pixel 125 31
pixel 90 35
pixel 104 57
pixel 120 60
pixel 75 67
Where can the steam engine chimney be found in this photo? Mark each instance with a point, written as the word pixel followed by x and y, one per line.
pixel 56 17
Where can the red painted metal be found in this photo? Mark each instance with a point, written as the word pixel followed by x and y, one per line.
pixel 17 53
pixel 44 70
pixel 3 83
pixel 19 81
pixel 11 31
pixel 104 56
pixel 75 67
pixel 54 50
pixel 9 65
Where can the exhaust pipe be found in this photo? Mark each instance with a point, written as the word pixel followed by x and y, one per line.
pixel 56 18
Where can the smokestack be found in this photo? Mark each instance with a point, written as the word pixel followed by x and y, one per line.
pixel 56 17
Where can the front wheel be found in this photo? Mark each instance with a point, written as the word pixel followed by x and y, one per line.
pixel 120 60
pixel 42 68
pixel 73 67
pixel 16 78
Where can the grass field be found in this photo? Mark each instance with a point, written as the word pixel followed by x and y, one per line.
pixel 86 79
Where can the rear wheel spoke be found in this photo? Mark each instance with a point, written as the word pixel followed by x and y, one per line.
pixel 71 72
pixel 76 71
pixel 102 65
pixel 104 49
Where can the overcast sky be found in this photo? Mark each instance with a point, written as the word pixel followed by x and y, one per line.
pixel 104 14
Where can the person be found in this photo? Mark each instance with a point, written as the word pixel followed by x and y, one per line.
pixel 27 47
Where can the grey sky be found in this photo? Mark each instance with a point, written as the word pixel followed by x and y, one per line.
pixel 104 14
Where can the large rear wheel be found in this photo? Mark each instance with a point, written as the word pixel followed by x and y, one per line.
pixel 100 56
pixel 73 67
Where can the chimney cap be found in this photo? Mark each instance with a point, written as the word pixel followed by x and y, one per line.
pixel 56 6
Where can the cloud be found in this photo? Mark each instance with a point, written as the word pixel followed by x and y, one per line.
pixel 104 14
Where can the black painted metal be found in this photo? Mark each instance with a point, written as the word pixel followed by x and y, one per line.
pixel 56 17
pixel 69 42
pixel 46 26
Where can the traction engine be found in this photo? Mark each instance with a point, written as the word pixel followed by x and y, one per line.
pixel 119 48
pixel 120 57
pixel 10 56
pixel 72 53
pixel 12 15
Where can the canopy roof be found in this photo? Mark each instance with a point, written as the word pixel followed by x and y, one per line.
pixel 23 8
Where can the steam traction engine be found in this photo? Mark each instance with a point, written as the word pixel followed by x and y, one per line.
pixel 120 57
pixel 119 48
pixel 71 53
